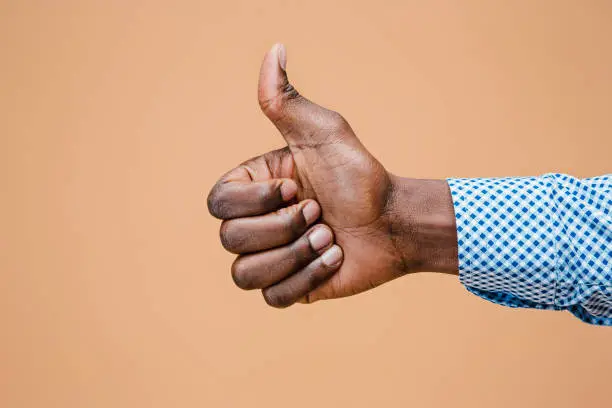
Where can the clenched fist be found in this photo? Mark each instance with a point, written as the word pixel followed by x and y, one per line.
pixel 321 218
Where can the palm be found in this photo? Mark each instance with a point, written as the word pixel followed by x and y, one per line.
pixel 331 166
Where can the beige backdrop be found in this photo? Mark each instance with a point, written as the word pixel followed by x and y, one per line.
pixel 116 119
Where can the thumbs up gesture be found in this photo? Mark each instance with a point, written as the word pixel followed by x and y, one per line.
pixel 321 218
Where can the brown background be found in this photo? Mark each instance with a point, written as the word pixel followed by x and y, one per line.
pixel 117 117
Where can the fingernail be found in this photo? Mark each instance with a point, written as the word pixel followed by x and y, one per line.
pixel 282 56
pixel 332 257
pixel 311 212
pixel 288 190
pixel 320 238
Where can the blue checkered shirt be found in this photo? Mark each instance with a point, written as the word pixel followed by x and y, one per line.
pixel 537 242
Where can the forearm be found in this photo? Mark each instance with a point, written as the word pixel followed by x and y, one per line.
pixel 423 225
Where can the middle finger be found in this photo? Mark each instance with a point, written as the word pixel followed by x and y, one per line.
pixel 252 234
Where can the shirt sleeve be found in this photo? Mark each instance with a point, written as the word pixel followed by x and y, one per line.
pixel 537 242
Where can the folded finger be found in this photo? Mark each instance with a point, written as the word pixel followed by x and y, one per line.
pixel 252 234
pixel 263 269
pixel 298 285
pixel 234 199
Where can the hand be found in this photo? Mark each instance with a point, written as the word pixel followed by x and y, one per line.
pixel 321 218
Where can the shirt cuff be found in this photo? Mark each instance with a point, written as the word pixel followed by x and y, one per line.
pixel 505 235
pixel 538 242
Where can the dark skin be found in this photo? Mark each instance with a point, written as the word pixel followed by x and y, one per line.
pixel 321 218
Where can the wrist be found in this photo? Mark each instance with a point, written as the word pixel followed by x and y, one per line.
pixel 422 225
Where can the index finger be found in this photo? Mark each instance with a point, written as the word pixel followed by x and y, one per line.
pixel 237 195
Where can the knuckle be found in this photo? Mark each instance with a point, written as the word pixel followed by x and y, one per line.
pixel 241 276
pixel 230 240
pixel 217 206
pixel 273 106
pixel 276 298
pixel 268 105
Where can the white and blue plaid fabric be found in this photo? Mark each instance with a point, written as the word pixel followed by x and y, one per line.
pixel 538 242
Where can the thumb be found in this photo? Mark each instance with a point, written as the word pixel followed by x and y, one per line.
pixel 298 119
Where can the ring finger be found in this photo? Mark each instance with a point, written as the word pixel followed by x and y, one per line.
pixel 263 269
